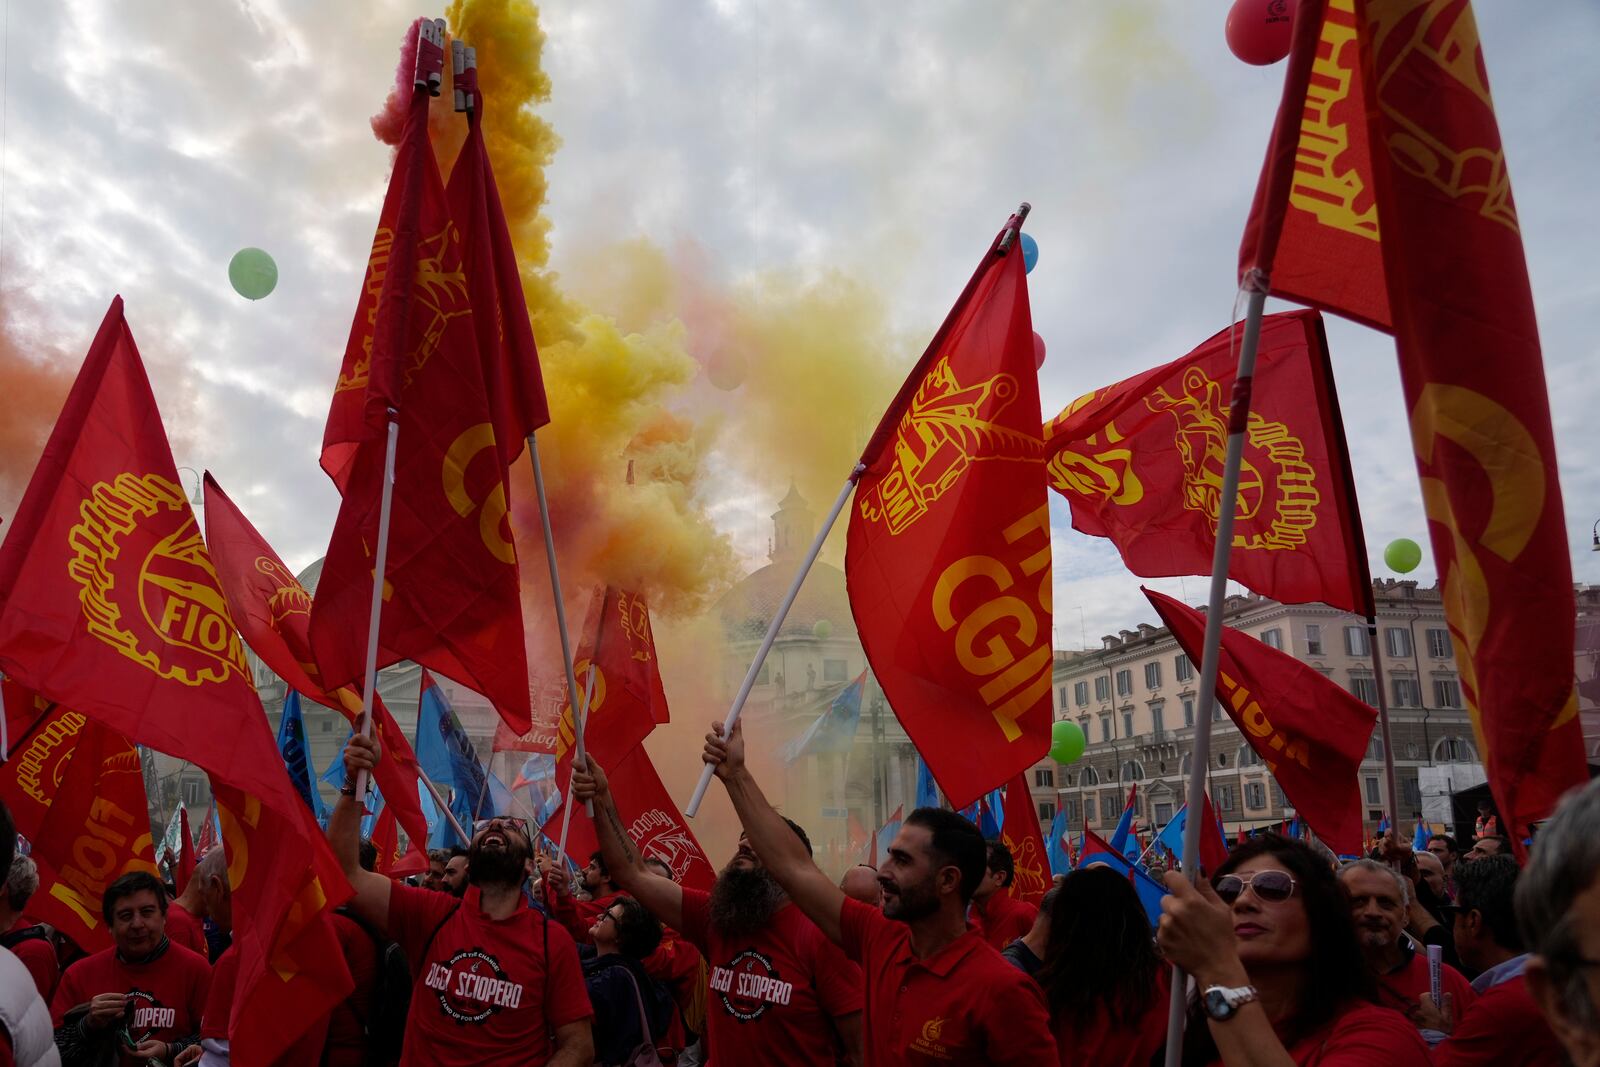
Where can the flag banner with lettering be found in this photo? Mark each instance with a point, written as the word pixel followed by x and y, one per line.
pixel 1019 831
pixel 451 593
pixel 494 283
pixel 273 612
pixel 76 791
pixel 947 561
pixel 109 606
pixel 1141 461
pixel 652 820
pixel 1310 733
pixel 1313 227
pixel 1479 408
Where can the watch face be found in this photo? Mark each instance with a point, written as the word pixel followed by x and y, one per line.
pixel 1217 1006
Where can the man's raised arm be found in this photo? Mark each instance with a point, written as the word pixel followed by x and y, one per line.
pixel 780 850
pixel 371 901
pixel 662 897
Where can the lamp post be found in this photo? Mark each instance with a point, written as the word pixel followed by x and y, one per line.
pixel 1596 536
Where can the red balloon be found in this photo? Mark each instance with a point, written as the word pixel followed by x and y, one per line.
pixel 1038 351
pixel 1258 30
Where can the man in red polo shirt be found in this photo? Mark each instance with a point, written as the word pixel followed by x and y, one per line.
pixel 935 992
pixel 144 985
pixel 779 992
pixel 1000 917
pixel 185 913
pixel 493 978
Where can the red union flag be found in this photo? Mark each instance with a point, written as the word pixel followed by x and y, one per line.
pixel 1310 733
pixel 1019 831
pixel 77 793
pixel 1117 453
pixel 273 612
pixel 948 556
pixel 451 598
pixel 109 605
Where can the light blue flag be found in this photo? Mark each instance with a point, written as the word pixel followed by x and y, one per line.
pixel 835 729
pixel 334 775
pixel 1122 838
pixel 885 838
pixel 1419 840
pixel 297 757
pixel 1149 890
pixel 447 758
pixel 1055 848
pixel 927 788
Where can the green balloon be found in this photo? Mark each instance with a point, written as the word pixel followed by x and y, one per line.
pixel 1066 741
pixel 1403 555
pixel 822 629
pixel 253 273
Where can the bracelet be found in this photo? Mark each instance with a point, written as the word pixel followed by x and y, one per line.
pixel 348 789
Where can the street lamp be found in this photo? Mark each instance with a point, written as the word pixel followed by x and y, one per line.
pixel 1596 536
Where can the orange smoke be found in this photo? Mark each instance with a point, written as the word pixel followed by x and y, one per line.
pixel 34 390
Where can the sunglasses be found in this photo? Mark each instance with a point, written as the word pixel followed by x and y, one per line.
pixel 1271 886
pixel 507 822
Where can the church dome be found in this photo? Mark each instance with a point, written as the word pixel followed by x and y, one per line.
pixel 748 607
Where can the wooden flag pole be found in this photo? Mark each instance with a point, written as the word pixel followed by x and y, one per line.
pixel 1383 721
pixel 370 678
pixel 1227 504
pixel 772 632
pixel 579 714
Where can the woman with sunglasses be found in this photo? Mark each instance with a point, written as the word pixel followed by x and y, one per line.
pixel 1279 973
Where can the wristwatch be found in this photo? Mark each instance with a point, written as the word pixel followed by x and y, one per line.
pixel 1223 1003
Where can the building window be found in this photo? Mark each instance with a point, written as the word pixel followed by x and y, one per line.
pixel 1447 692
pixel 1132 771
pixel 1102 689
pixel 1255 796
pixel 1272 638
pixel 1183 668
pixel 1277 795
pixel 1105 727
pixel 1088 809
pixel 1125 683
pixel 1110 802
pixel 1407 693
pixel 1163 814
pixel 1083 724
pixel 1248 757
pixel 1091 777
pixel 1061 695
pixel 1216 710
pixel 1365 687
pixel 1439 644
pixel 1080 693
pixel 1225 797
pixel 764 676
pixel 835 670
pixel 1127 724
pixel 1152 675
pixel 327 726
pixel 1047 811
pixel 1411 790
pixel 1375 746
pixel 1454 750
pixel 1355 641
pixel 1372 790
pixel 1185 763
pixel 1313 639
pixel 1158 716
pixel 1398 641
pixel 1071 808
pixel 1044 776
pixel 191 794
pixel 1188 712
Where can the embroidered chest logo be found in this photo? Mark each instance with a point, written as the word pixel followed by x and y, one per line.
pixel 749 986
pixel 472 987
pixel 930 1041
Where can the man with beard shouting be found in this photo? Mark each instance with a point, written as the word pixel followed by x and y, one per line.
pixel 779 992
pixel 494 979
pixel 935 992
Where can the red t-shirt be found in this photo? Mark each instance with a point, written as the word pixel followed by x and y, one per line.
pixel 483 994
pixel 1002 918
pixel 1504 1029
pixel 1363 1035
pixel 219 1006
pixel 347 1034
pixel 1106 1043
pixel 168 993
pixel 1404 988
pixel 774 994
pixel 184 929
pixel 38 954
pixel 963 1005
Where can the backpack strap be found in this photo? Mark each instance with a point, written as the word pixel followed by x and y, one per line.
pixel 426 945
pixel 638 1000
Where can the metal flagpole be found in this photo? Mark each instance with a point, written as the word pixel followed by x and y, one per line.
pixel 772 632
pixel 5 734
pixel 1227 504
pixel 381 562
pixel 1383 721
pixel 433 790
pixel 579 714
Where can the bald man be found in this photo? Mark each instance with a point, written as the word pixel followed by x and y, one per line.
pixel 861 883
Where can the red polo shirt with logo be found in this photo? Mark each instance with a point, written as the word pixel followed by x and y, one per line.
pixel 1002 918
pixel 775 993
pixel 486 991
pixel 168 992
pixel 963 1005
pixel 186 930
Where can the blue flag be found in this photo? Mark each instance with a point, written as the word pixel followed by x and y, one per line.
pixel 1122 838
pixel 1149 890
pixel 446 756
pixel 297 757
pixel 927 788
pixel 835 729
pixel 1060 862
pixel 1419 840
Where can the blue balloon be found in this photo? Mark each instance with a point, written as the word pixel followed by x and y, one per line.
pixel 1030 253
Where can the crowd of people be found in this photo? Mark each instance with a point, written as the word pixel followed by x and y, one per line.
pixel 1445 956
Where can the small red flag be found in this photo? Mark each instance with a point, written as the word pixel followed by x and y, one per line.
pixel 393 860
pixel 109 605
pixel 186 857
pixel 452 598
pixel 1117 453
pixel 76 791
pixel 948 556
pixel 1213 846
pixel 24 710
pixel 1019 831
pixel 1310 733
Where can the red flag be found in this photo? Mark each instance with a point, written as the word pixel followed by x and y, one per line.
pixel 393 860
pixel 948 555
pixel 273 612
pixel 500 310
pixel 186 857
pixel 109 605
pixel 208 839
pixel 23 711
pixel 1310 733
pixel 655 824
pixel 1474 384
pixel 451 591
pixel 859 843
pixel 1313 227
pixel 76 791
pixel 1019 831
pixel 1117 453
pixel 1213 846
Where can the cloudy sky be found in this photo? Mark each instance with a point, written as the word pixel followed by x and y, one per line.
pixel 142 147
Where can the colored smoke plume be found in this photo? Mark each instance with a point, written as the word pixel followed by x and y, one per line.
pixel 34 390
